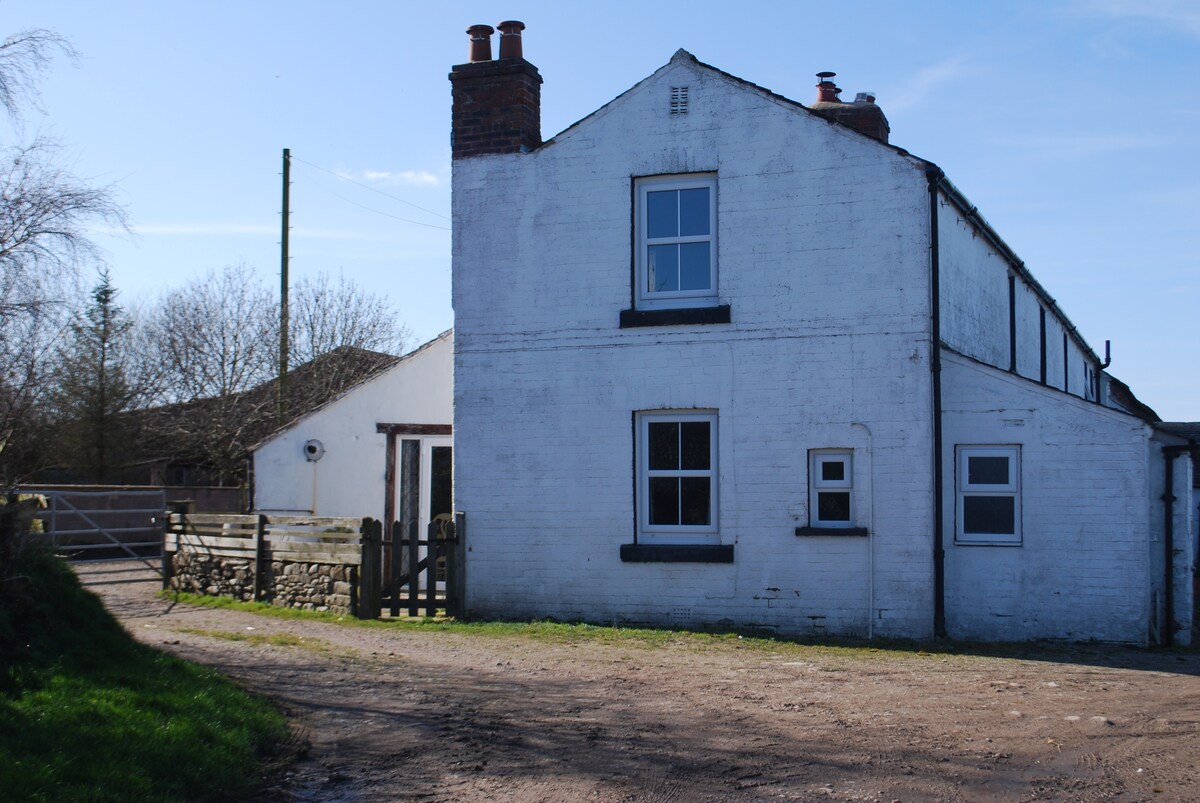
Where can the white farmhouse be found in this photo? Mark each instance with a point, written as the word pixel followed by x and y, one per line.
pixel 381 449
pixel 721 358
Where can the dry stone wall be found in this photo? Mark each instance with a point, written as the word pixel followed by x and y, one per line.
pixel 288 584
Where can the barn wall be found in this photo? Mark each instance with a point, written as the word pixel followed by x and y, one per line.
pixel 349 479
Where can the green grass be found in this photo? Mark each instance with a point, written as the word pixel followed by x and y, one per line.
pixel 88 714
pixel 833 651
pixel 573 632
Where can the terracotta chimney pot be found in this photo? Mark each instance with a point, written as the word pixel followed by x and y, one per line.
pixel 827 91
pixel 510 39
pixel 481 43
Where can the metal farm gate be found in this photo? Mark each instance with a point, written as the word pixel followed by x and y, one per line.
pixel 95 529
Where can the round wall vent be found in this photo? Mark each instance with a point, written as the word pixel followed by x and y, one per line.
pixel 313 450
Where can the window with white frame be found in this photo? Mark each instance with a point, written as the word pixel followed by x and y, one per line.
pixel 677 475
pixel 989 494
pixel 831 488
pixel 676 241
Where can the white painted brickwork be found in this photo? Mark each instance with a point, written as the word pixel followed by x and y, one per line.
pixel 824 260
pixel 1083 570
pixel 975 317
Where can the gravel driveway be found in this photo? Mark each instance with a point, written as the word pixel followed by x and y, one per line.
pixel 402 715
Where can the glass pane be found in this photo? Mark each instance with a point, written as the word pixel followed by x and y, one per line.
pixel 987 470
pixel 989 515
pixel 833 470
pixel 695 445
pixel 695 267
pixel 693 212
pixel 440 481
pixel 662 214
pixel 662 268
pixel 833 506
pixel 664 500
pixel 697 494
pixel 664 446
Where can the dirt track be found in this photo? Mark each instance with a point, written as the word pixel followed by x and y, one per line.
pixel 447 717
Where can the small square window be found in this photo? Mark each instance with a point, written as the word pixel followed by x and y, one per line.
pixel 676 241
pixel 988 495
pixel 677 478
pixel 831 488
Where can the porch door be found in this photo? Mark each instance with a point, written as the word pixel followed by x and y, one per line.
pixel 425 488
pixel 436 480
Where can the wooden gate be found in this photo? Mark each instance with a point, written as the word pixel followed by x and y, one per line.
pixel 426 574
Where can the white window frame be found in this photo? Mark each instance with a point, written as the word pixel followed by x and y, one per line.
pixel 677 533
pixel 964 488
pixel 817 458
pixel 674 299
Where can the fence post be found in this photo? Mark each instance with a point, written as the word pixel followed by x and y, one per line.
pixel 260 532
pixel 448 549
pixel 168 566
pixel 54 521
pixel 396 533
pixel 414 570
pixel 431 558
pixel 456 569
pixel 368 579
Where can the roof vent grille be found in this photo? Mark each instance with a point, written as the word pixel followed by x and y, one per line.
pixel 679 100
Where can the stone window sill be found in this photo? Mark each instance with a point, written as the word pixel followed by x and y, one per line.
pixel 811 532
pixel 677 553
pixel 689 316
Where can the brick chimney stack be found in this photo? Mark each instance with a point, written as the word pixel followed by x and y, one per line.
pixel 496 103
pixel 862 115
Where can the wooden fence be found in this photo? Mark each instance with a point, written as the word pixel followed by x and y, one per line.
pixel 263 541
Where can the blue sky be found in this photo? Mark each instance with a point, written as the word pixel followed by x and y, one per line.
pixel 1072 125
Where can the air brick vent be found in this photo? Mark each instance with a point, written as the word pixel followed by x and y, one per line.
pixel 679 100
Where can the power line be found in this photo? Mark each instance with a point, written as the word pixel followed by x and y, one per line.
pixel 369 187
pixel 380 212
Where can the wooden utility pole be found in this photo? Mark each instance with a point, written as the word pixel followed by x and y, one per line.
pixel 283 290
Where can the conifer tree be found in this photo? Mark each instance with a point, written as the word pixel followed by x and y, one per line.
pixel 93 388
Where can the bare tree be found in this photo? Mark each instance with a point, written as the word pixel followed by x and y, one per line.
pixel 215 336
pixel 327 315
pixel 215 343
pixel 45 215
pixel 24 57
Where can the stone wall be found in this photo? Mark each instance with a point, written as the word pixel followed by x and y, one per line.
pixel 288 584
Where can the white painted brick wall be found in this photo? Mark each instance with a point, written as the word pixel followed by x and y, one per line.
pixel 1083 570
pixel 824 259
pixel 974 305
pixel 349 479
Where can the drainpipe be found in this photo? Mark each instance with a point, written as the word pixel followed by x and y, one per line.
pixel 1168 498
pixel 934 175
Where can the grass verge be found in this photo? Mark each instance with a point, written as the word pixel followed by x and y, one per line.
pixel 835 651
pixel 554 632
pixel 89 714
